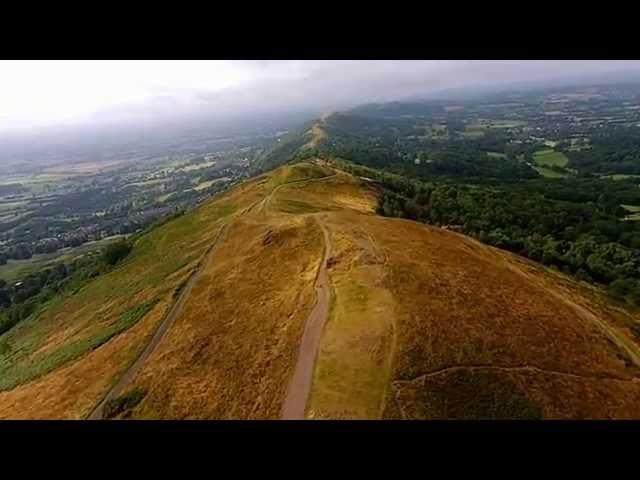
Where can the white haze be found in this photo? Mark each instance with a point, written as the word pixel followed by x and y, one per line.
pixel 35 94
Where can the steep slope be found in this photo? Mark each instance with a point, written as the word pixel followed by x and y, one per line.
pixel 430 324
pixel 297 145
pixel 287 297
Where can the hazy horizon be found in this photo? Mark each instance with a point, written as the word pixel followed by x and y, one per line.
pixel 40 95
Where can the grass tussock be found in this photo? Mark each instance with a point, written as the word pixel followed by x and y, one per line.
pixel 122 405
pixel 476 395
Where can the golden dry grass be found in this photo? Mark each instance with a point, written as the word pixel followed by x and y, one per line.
pixel 424 323
pixel 353 366
pixel 74 328
pixel 71 391
pixel 244 319
pixel 230 354
pixel 515 350
pixel 469 307
pixel 410 300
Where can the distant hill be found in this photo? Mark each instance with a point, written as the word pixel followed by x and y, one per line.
pixel 289 297
pixel 287 149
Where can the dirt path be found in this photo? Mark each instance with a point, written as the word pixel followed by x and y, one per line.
pixel 295 401
pixel 618 339
pixel 174 312
pixel 628 346
pixel 523 368
pixel 176 309
pixel 264 204
pixel 380 253
pixel 494 368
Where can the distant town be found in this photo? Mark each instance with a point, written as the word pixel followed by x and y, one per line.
pixel 60 209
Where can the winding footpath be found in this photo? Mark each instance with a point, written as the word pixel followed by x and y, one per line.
pixel 264 204
pixel 295 402
pixel 300 385
pixel 170 318
pixel 625 344
pixel 620 340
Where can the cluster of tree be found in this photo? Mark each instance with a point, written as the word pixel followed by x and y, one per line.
pixel 396 146
pixel 21 251
pixel 452 161
pixel 116 251
pixel 397 110
pixel 22 299
pixel 569 225
pixel 282 150
pixel 215 174
pixel 86 200
pixel 35 236
pixel 48 246
pixel 613 151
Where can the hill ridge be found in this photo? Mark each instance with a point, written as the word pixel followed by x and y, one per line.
pixel 398 298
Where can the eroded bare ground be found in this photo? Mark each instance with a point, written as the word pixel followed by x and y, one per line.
pixel 295 401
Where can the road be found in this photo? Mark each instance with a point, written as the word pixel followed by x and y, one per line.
pixel 298 390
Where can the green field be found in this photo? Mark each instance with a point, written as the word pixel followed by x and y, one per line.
pixel 507 123
pixel 474 132
pixel 146 183
pixel 435 131
pixel 496 155
pixel 634 210
pixel 38 178
pixel 479 127
pixel 196 166
pixel 165 197
pixel 550 158
pixel 619 176
pixel 208 183
pixel 12 206
pixel 577 148
pixel 15 270
pixel 547 173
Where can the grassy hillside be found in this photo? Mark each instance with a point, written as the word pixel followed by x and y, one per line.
pixel 80 343
pixel 288 147
pixel 423 322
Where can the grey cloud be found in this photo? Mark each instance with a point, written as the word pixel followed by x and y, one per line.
pixel 327 85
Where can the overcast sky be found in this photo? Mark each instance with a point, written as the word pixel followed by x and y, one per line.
pixel 41 93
